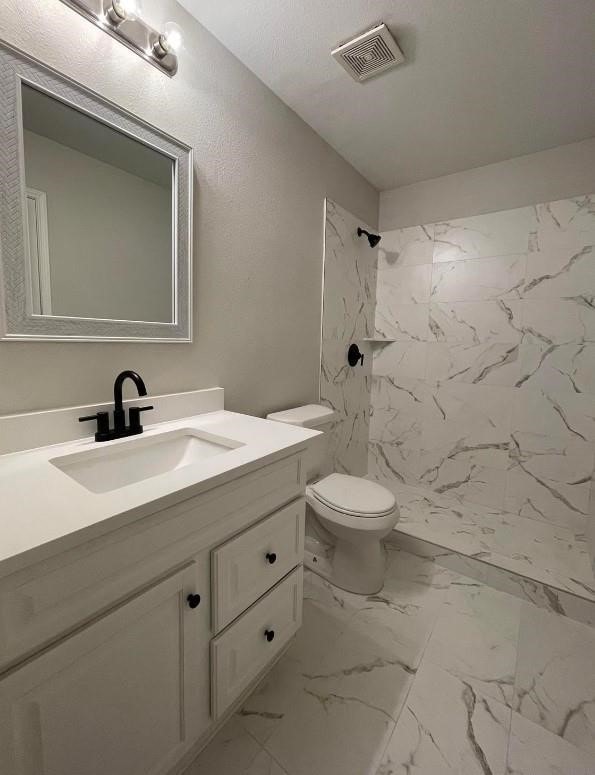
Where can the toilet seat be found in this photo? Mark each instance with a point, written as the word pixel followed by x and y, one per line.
pixel 353 496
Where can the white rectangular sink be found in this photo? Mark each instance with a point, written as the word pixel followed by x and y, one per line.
pixel 133 460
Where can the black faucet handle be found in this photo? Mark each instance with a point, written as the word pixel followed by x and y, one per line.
pixel 102 424
pixel 134 414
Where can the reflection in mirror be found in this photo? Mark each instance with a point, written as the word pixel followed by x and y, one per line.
pixel 100 212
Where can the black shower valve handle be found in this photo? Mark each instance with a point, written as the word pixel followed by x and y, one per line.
pixel 354 356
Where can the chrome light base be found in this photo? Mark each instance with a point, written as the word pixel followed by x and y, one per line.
pixel 132 32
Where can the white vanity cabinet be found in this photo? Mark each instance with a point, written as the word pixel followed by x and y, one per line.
pixel 123 695
pixel 123 655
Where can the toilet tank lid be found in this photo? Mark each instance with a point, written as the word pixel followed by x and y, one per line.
pixel 308 416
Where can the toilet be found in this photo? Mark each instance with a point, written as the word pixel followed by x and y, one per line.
pixel 347 516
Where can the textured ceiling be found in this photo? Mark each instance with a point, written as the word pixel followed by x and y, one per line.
pixel 485 80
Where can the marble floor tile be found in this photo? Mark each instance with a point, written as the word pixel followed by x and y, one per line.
pixel 400 618
pixel 475 638
pixel 332 728
pixel 539 551
pixel 447 728
pixel 549 595
pixel 493 234
pixel 233 751
pixel 532 750
pixel 555 678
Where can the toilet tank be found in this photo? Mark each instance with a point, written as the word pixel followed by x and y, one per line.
pixel 320 418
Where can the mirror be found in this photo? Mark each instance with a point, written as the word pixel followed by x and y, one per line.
pixel 104 218
pixel 99 211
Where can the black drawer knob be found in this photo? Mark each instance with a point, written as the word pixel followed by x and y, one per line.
pixel 271 558
pixel 193 601
pixel 269 635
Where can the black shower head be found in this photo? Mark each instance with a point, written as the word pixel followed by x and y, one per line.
pixel 373 239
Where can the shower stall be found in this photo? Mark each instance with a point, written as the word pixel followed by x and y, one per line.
pixel 476 401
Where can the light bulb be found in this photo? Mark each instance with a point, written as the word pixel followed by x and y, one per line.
pixel 172 38
pixel 122 10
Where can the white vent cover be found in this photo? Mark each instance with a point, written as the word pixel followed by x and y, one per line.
pixel 369 54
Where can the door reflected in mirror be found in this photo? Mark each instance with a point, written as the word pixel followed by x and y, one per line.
pixel 100 217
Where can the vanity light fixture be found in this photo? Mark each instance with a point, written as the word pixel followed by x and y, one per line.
pixel 122 19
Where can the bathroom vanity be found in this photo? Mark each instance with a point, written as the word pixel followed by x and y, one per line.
pixel 136 614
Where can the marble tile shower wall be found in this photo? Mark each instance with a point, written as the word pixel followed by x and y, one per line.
pixel 488 391
pixel 348 316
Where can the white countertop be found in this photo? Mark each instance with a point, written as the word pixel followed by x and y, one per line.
pixel 43 511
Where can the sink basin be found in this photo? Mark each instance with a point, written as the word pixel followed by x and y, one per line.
pixel 107 468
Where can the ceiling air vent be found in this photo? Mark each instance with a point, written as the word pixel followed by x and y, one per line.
pixel 371 53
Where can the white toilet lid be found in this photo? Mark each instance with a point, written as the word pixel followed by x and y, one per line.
pixel 354 495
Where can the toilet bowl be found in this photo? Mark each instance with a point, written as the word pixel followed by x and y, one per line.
pixel 347 516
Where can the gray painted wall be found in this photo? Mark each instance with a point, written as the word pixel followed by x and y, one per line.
pixel 261 175
pixel 559 173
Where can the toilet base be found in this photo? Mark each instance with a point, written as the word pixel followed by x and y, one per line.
pixel 357 568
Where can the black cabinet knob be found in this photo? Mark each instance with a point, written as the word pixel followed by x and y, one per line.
pixel 193 601
pixel 271 558
pixel 269 635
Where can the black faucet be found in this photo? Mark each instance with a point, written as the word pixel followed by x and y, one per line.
pixel 120 429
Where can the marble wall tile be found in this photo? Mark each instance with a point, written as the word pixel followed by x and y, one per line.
pixel 472 482
pixel 553 367
pixel 401 359
pixel 494 234
pixel 406 247
pixel 511 306
pixel 559 414
pixel 468 422
pixel 564 222
pixel 550 479
pixel 348 316
pixel 532 750
pixel 479 279
pixel 559 321
pixel 396 426
pixel 403 285
pixel 447 728
pixel 555 680
pixel 560 274
pixel 403 322
pixel 476 322
pixel 349 277
pixel 347 391
pixel 475 638
pixel 491 363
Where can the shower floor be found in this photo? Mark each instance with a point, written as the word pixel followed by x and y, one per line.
pixel 534 560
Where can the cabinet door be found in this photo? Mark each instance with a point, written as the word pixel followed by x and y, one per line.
pixel 124 696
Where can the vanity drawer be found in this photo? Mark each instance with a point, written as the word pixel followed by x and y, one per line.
pixel 244 568
pixel 245 648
